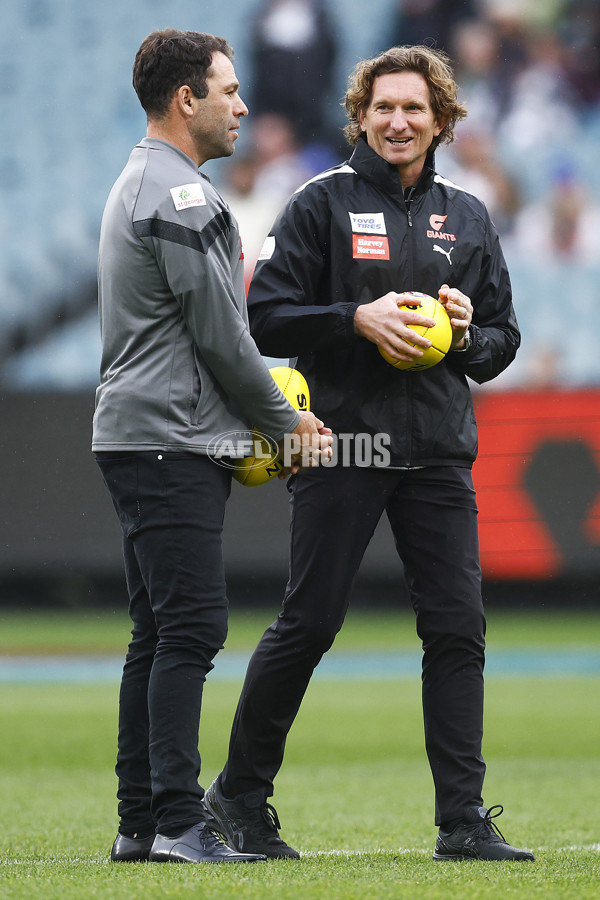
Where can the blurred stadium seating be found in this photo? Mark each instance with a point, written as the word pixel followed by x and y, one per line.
pixel 71 117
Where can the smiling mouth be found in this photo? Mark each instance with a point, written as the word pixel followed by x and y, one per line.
pixel 398 142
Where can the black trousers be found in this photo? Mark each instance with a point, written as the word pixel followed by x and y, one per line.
pixel 433 516
pixel 171 508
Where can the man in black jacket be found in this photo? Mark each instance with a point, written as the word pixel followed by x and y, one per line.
pixel 327 291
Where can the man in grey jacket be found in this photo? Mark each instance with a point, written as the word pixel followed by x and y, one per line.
pixel 179 372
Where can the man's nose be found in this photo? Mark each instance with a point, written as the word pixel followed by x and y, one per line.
pixel 398 120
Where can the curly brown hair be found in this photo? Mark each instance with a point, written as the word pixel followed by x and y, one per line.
pixel 433 65
pixel 169 58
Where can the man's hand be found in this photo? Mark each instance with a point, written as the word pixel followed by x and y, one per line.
pixel 459 308
pixel 385 324
pixel 307 445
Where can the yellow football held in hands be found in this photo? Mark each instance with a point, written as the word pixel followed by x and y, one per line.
pixel 440 335
pixel 265 463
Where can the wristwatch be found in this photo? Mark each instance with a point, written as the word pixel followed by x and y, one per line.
pixel 467 341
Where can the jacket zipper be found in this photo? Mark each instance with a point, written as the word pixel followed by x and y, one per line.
pixel 408 203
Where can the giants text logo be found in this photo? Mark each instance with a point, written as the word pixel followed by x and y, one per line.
pixel 435 231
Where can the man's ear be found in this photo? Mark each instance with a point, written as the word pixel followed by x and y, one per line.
pixel 440 124
pixel 184 99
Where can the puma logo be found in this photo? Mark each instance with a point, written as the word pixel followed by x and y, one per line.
pixel 445 252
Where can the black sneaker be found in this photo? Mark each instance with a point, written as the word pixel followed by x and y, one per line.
pixel 477 837
pixel 248 823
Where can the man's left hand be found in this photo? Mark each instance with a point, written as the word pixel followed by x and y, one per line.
pixel 459 309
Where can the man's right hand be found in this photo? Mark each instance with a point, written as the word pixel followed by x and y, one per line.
pixel 385 324
pixel 307 445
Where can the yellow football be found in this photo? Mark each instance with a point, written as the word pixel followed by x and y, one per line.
pixel 440 334
pixel 265 464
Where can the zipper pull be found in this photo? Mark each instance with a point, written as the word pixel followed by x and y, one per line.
pixel 407 205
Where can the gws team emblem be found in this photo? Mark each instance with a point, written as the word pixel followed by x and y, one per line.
pixel 435 231
pixel 436 222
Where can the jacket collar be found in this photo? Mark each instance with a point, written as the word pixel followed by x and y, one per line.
pixel 165 146
pixel 374 168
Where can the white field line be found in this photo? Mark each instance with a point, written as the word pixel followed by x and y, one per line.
pixel 420 851
pixel 42 861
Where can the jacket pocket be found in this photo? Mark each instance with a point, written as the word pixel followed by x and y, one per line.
pixel 197 392
pixel 211 400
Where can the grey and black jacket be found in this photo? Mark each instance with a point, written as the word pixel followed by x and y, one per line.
pixel 349 236
pixel 179 367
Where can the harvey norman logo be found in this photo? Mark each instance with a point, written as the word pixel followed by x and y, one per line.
pixel 367 223
pixel 364 247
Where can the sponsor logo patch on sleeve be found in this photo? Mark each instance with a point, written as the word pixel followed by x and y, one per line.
pixel 364 247
pixel 186 195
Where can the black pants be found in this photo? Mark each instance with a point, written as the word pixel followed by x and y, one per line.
pixel 171 508
pixel 433 516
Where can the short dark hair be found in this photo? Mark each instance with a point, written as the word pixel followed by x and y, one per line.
pixel 169 58
pixel 433 65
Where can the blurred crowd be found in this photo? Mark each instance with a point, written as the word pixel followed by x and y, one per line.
pixel 529 73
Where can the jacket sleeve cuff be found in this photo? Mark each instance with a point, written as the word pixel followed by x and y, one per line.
pixel 349 311
pixel 278 436
pixel 457 358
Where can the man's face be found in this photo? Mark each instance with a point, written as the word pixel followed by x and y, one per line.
pixel 214 128
pixel 399 122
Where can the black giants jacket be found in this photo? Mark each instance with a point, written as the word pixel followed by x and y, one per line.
pixel 349 236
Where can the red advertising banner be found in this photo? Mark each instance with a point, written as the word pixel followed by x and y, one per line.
pixel 538 483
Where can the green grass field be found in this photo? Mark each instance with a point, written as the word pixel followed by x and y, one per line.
pixel 354 795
